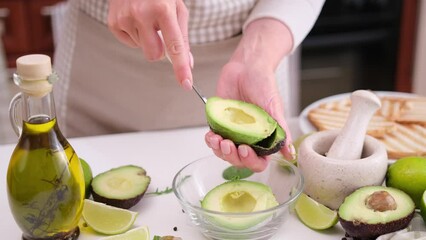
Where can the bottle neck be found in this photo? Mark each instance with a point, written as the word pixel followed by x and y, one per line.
pixel 38 108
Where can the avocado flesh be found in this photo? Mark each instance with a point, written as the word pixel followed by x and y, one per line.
pixel 241 122
pixel 121 187
pixel 363 222
pixel 239 196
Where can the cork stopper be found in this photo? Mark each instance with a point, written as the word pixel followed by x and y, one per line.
pixel 33 72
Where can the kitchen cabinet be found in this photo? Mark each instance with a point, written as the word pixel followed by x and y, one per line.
pixel 26 28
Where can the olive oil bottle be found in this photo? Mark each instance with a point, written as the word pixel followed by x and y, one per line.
pixel 45 180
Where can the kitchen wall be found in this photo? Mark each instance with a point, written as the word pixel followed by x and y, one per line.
pixel 419 74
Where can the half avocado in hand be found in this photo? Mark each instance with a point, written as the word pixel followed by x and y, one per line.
pixel 375 210
pixel 245 123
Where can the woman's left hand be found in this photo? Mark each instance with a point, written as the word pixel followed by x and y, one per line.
pixel 256 84
pixel 250 76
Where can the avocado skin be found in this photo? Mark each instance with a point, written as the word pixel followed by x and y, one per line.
pixel 271 144
pixel 276 141
pixel 120 203
pixel 362 231
pixel 265 152
pixel 261 151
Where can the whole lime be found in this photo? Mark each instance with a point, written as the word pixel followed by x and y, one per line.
pixel 423 207
pixel 88 176
pixel 409 175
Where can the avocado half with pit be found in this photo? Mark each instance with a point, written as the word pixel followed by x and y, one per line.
pixel 375 210
pixel 121 187
pixel 245 123
pixel 239 197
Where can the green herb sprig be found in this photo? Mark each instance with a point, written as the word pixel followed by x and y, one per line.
pixel 233 173
pixel 162 192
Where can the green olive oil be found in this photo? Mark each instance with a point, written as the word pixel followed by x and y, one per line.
pixel 45 182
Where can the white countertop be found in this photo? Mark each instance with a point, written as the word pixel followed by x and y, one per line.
pixel 162 154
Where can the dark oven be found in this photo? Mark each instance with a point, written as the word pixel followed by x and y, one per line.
pixel 353 45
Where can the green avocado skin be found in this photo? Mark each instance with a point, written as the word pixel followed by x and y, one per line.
pixel 262 143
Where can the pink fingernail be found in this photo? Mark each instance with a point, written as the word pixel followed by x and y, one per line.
pixel 243 151
pixel 225 148
pixel 214 143
pixel 187 84
pixel 292 151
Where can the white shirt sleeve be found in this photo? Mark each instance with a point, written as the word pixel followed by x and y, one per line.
pixel 298 15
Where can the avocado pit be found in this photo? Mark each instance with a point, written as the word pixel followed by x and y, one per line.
pixel 380 201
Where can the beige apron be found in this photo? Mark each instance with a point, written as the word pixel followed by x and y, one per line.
pixel 113 89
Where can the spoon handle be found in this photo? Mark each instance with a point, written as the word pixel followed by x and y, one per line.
pixel 349 142
pixel 204 99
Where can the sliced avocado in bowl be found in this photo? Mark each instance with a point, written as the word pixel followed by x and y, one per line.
pixel 239 196
pixel 375 210
pixel 245 123
pixel 121 187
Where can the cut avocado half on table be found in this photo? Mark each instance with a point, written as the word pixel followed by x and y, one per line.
pixel 239 196
pixel 245 123
pixel 375 210
pixel 121 187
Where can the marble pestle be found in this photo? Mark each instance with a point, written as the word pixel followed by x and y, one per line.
pixel 349 142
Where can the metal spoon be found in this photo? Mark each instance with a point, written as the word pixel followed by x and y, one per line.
pixel 196 89
pixel 204 99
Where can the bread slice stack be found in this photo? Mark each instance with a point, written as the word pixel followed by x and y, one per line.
pixel 400 124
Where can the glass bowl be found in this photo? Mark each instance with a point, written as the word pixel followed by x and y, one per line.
pixel 196 179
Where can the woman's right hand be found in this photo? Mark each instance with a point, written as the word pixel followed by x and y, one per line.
pixel 136 23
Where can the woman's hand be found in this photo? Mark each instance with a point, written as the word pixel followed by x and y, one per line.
pixel 250 76
pixel 136 23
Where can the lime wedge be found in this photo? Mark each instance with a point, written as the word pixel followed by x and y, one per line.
pixel 140 233
pixel 313 214
pixel 107 219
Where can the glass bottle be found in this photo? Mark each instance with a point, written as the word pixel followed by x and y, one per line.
pixel 45 182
